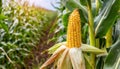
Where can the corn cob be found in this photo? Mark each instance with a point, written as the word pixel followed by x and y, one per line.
pixel 74 30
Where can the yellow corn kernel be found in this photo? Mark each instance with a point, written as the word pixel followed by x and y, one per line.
pixel 74 30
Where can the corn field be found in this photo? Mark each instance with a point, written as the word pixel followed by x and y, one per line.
pixel 80 34
pixel 21 28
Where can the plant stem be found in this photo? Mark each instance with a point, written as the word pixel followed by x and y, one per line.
pixel 97 43
pixel 109 38
pixel 97 6
pixel 91 31
pixel 91 27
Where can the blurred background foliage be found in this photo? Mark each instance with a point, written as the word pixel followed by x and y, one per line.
pixel 21 28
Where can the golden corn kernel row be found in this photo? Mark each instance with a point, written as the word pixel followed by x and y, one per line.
pixel 74 30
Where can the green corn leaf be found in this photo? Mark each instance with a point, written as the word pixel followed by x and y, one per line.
pixel 65 19
pixel 4 26
pixel 73 4
pixel 113 59
pixel 92 49
pixel 83 2
pixel 2 16
pixel 88 62
pixel 107 17
pixel 6 54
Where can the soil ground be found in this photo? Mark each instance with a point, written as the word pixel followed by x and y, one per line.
pixel 39 55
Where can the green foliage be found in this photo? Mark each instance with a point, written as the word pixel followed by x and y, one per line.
pixel 21 27
pixel 107 17
pixel 0 3
pixel 103 14
pixel 2 17
pixel 113 59
pixel 2 24
pixel 65 18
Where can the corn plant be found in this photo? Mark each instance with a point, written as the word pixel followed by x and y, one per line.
pixel 69 54
pixel 21 28
pixel 98 19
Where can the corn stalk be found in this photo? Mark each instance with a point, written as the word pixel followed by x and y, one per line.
pixel 91 31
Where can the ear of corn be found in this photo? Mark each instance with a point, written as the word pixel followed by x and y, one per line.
pixel 74 30
pixel 68 55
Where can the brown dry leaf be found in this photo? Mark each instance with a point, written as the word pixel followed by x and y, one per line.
pixel 67 62
pixel 53 57
pixel 61 62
